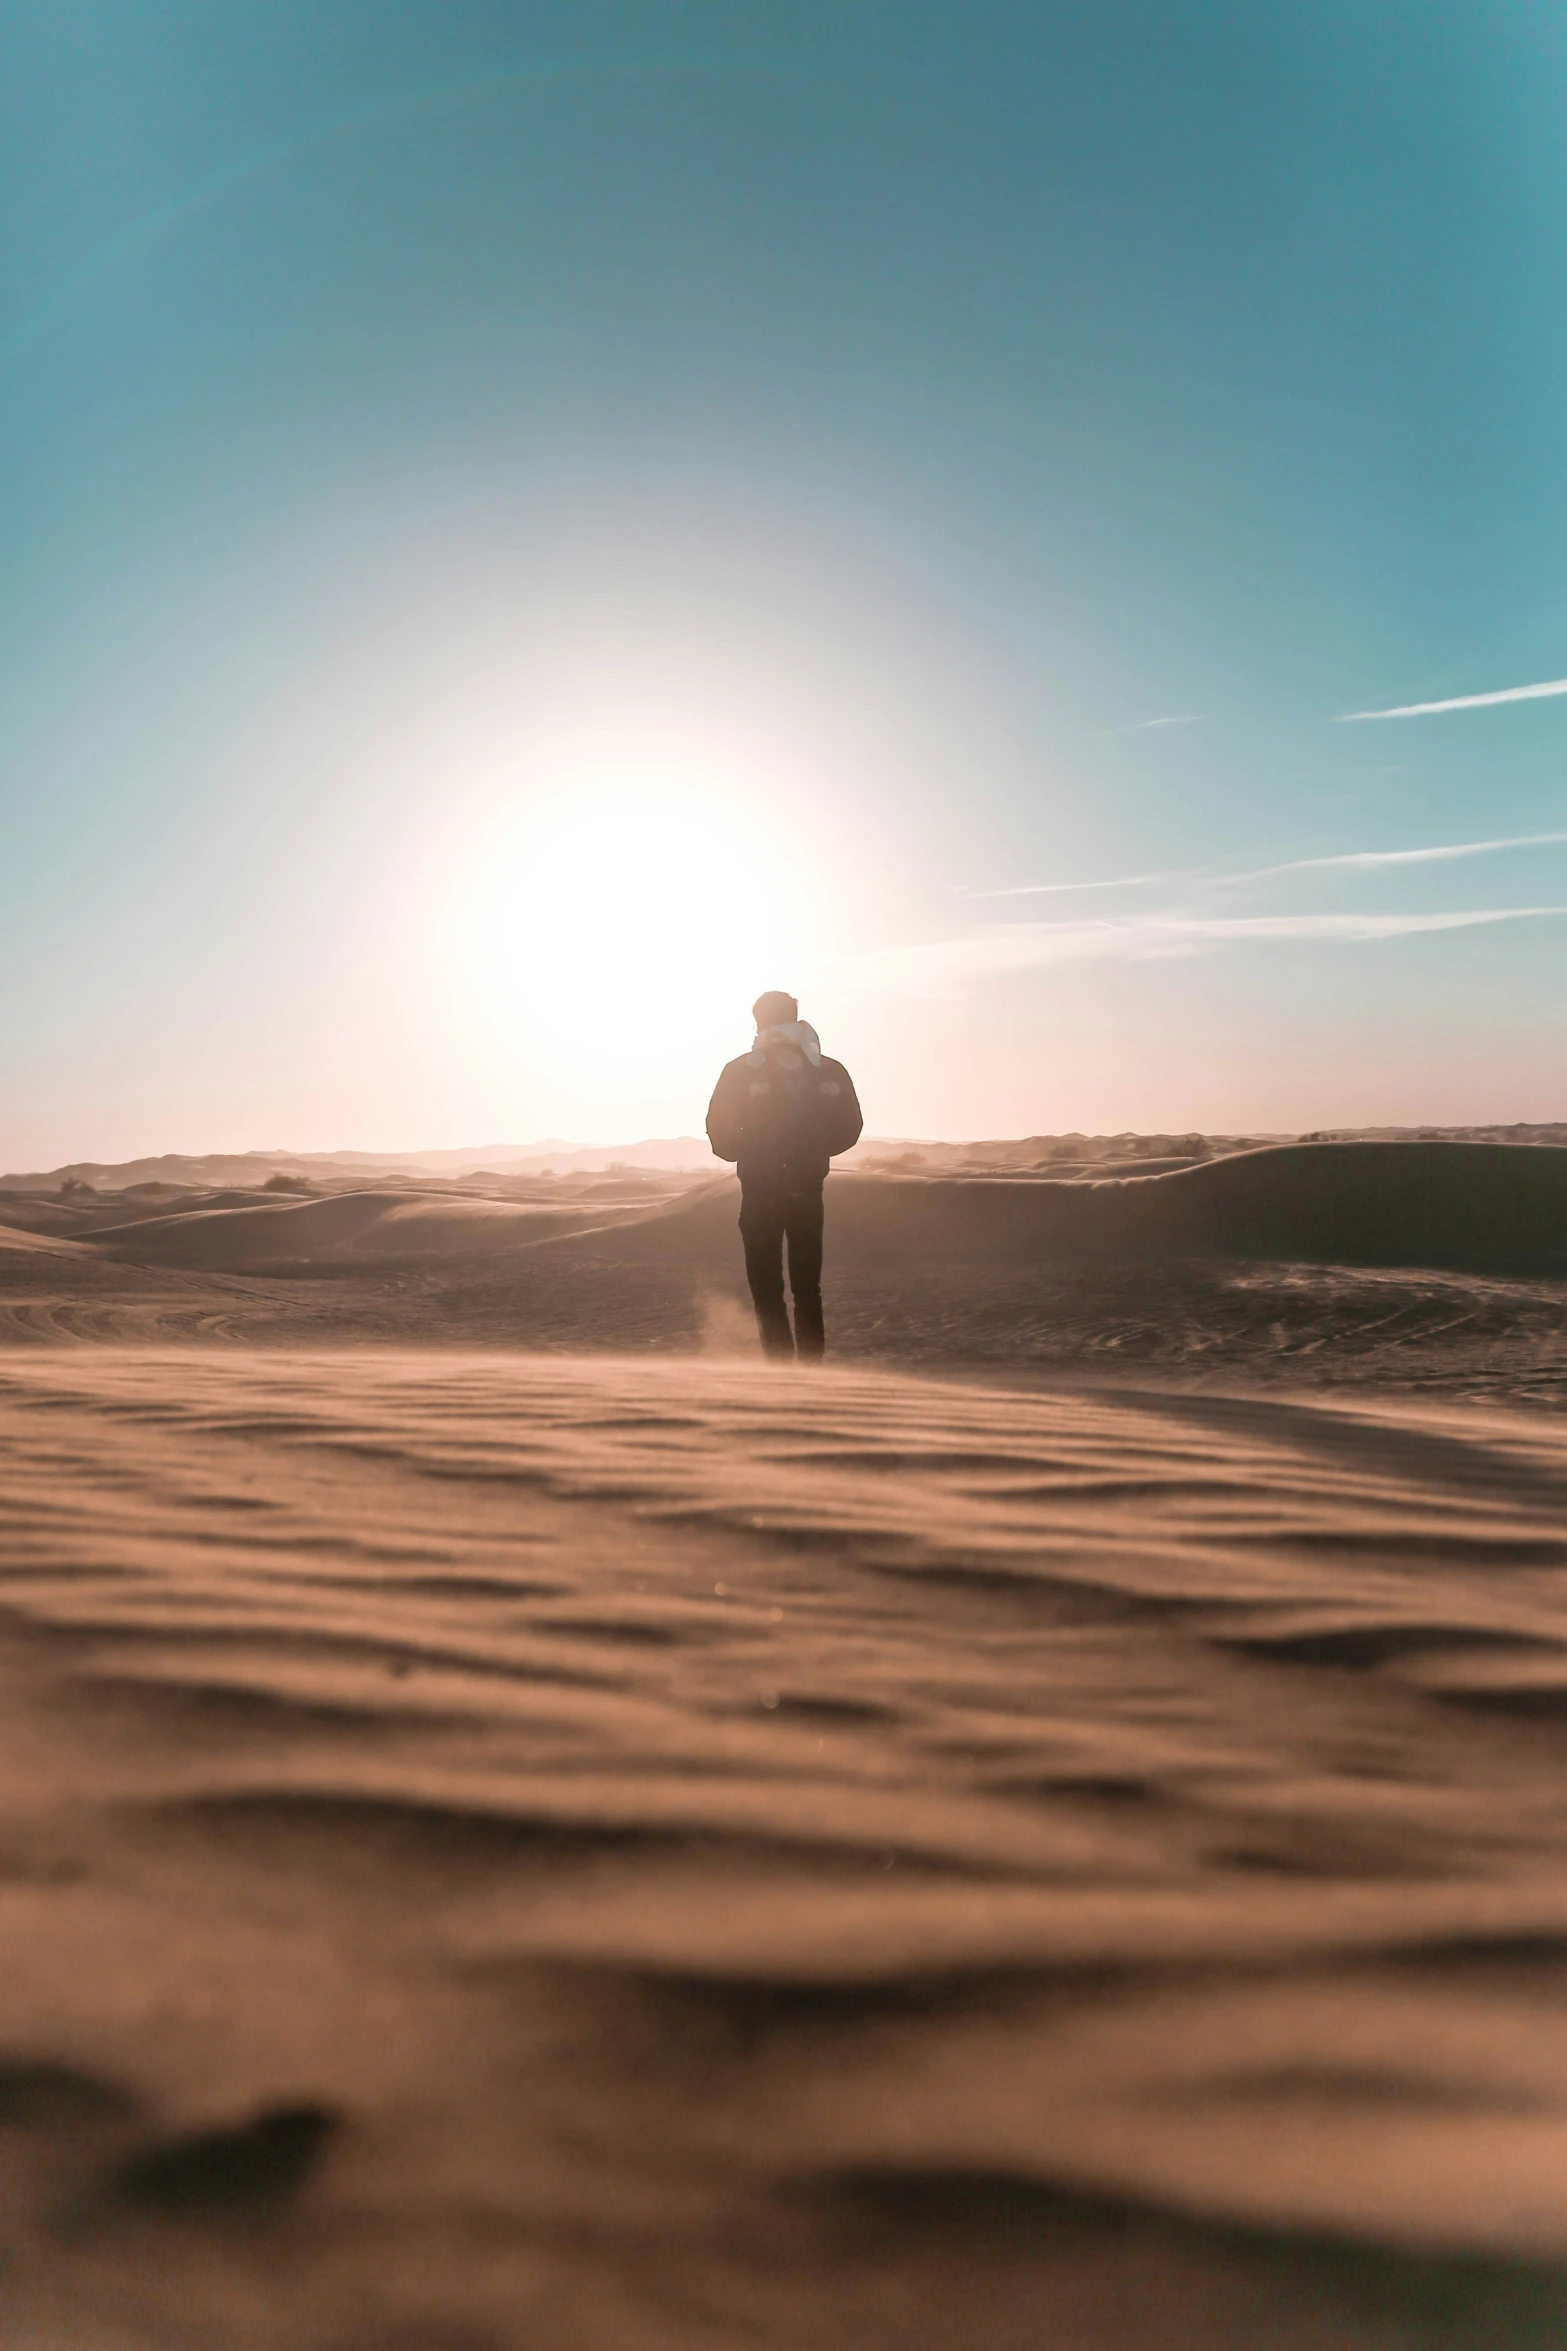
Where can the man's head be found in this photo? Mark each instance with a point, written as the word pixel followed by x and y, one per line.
pixel 774 1009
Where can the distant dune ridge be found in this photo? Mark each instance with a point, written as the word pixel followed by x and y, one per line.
pixel 1475 1206
pixel 1481 1207
pixel 345 1225
pixel 203 1170
pixel 683 1154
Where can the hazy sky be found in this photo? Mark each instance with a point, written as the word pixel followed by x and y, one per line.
pixel 526 523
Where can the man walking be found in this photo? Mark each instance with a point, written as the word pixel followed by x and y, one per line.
pixel 782 1111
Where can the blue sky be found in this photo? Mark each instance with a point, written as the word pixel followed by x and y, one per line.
pixel 974 449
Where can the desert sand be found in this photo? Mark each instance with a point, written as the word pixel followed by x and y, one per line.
pixel 526 1827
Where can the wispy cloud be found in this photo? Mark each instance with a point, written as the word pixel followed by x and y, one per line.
pixel 940 966
pixel 1350 861
pixel 1126 881
pixel 1460 702
pixel 1179 718
pixel 1364 859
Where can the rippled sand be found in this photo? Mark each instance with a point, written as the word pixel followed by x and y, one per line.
pixel 543 1851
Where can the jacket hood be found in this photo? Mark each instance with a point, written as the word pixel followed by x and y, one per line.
pixel 798 1033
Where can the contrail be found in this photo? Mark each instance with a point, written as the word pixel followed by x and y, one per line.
pixel 1462 702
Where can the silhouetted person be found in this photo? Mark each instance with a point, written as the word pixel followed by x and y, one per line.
pixel 782 1111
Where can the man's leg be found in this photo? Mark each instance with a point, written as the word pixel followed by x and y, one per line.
pixel 762 1231
pixel 803 1225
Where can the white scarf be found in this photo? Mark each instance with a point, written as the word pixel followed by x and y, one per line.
pixel 798 1033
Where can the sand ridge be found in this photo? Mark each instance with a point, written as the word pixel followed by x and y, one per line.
pixel 1472 1206
pixel 1478 1206
pixel 345 1225
pixel 1430 1267
pixel 677 1821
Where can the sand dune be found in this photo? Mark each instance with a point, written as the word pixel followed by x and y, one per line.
pixel 546 1851
pixel 220 1235
pixel 178 1171
pixel 39 1244
pixel 1482 1207
pixel 1486 1207
pixel 515 1851
pixel 1000 1274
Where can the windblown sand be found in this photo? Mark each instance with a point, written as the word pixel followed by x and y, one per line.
pixel 532 1852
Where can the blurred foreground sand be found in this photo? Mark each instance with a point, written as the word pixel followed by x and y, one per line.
pixel 560 1850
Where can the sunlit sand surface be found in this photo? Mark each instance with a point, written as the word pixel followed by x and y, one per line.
pixel 573 1850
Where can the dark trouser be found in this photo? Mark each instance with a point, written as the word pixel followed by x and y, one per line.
pixel 768 1217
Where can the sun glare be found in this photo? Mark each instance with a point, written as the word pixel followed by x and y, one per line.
pixel 620 934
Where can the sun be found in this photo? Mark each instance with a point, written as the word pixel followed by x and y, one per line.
pixel 620 934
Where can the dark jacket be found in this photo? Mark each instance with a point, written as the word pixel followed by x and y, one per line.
pixel 782 1117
